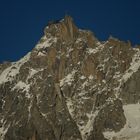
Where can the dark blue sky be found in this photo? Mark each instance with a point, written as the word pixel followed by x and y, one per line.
pixel 22 21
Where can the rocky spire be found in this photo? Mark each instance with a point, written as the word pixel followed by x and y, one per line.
pixel 64 29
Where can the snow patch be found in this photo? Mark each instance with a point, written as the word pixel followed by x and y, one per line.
pixel 82 77
pixel 84 84
pixel 131 130
pixel 85 132
pixel 47 43
pixel 41 54
pixel 82 94
pixel 3 131
pixel 9 73
pixel 32 73
pixel 29 108
pixel 78 40
pixel 91 77
pixel 68 79
pixel 134 66
pixel 70 106
pixel 23 86
pixel 97 49
pixel 92 51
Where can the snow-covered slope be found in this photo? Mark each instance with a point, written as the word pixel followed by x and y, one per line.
pixel 131 130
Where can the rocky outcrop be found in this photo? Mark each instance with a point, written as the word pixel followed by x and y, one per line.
pixel 65 29
pixel 71 86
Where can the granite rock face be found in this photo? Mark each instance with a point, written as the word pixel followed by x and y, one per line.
pixel 71 86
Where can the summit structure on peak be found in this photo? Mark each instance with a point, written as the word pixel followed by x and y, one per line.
pixel 71 86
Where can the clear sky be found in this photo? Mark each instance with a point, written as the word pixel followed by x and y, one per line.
pixel 22 21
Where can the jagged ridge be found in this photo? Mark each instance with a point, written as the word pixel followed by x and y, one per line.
pixel 71 86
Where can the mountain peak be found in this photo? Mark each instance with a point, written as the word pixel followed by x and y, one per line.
pixel 71 86
pixel 64 29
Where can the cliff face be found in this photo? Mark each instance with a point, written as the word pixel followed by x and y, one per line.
pixel 71 86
